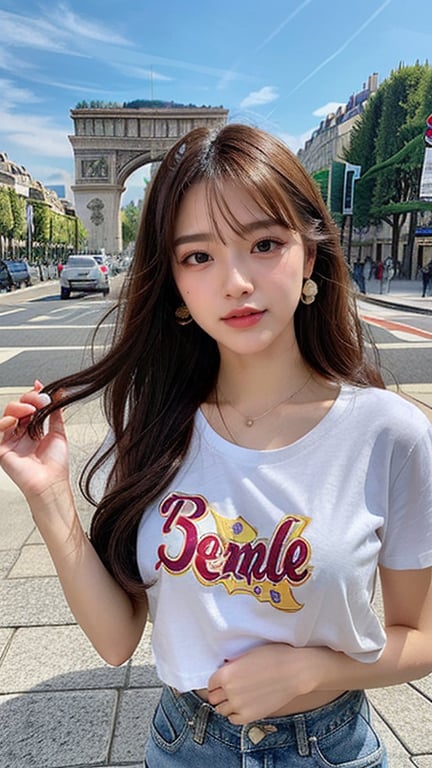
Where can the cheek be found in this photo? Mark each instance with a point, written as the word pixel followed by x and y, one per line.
pixel 288 276
pixel 179 283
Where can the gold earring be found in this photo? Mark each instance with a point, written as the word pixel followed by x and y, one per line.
pixel 182 315
pixel 309 291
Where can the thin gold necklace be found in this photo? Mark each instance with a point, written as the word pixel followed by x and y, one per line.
pixel 250 421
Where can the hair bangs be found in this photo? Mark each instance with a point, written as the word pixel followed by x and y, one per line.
pixel 219 211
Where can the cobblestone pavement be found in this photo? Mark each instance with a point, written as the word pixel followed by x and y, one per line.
pixel 61 706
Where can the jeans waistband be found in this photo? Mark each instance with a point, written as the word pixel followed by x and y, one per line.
pixel 271 732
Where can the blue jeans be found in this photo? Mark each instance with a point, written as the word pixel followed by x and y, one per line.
pixel 188 733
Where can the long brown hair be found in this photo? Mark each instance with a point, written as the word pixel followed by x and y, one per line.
pixel 156 373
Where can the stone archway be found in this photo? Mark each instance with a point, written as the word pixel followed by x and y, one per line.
pixel 109 145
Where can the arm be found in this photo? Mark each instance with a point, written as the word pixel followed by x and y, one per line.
pixel 267 678
pixel 111 619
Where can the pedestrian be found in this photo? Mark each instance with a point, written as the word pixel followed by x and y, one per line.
pixel 379 271
pixel 255 478
pixel 427 277
pixel 389 272
pixel 358 275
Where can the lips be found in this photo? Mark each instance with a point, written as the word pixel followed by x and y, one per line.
pixel 243 312
pixel 244 317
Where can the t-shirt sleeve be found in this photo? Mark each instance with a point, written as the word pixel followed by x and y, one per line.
pixel 407 540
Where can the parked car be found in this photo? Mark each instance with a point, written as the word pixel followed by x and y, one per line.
pixel 84 274
pixel 14 274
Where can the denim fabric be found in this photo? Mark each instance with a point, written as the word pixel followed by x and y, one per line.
pixel 188 733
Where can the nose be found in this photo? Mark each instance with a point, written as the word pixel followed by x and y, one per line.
pixel 237 279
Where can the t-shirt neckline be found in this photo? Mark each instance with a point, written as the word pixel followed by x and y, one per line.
pixel 275 455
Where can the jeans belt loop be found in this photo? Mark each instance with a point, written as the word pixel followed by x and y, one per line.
pixel 200 724
pixel 301 735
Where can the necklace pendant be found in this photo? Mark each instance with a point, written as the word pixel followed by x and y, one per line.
pixel 249 422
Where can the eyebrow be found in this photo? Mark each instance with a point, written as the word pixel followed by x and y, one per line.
pixel 199 237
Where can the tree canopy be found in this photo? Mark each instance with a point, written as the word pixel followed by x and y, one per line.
pixel 388 143
pixel 51 230
pixel 130 215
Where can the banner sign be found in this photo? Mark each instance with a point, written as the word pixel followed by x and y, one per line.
pixel 426 177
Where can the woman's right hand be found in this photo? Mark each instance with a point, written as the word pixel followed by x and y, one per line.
pixel 35 465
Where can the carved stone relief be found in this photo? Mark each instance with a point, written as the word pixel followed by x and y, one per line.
pixel 95 206
pixel 94 169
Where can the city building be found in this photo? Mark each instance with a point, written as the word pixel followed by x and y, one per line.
pixel 332 135
pixel 16 176
pixel 323 156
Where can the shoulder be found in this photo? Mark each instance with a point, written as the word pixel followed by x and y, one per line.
pixel 388 410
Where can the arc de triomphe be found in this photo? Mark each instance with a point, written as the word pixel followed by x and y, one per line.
pixel 110 144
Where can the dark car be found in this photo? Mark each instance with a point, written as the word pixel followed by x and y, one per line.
pixel 13 274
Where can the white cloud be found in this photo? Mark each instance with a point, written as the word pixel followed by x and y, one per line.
pixel 51 175
pixel 59 30
pixel 27 32
pixel 80 27
pixel 10 95
pixel 141 73
pixel 294 143
pixel 280 27
pixel 51 143
pixel 327 109
pixel 347 42
pixel 265 95
pixel 36 133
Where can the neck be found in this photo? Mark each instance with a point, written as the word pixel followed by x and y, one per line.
pixel 256 383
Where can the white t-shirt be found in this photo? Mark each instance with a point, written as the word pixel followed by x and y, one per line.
pixel 248 547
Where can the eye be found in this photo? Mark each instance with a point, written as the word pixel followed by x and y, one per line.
pixel 266 246
pixel 199 257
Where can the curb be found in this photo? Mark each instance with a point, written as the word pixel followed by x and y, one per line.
pixel 395 305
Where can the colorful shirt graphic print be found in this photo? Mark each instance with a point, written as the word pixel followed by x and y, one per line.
pixel 232 553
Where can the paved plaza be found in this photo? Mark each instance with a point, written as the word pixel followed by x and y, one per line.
pixel 60 705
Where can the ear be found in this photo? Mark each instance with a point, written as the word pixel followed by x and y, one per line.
pixel 310 258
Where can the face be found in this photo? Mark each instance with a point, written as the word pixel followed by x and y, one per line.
pixel 241 289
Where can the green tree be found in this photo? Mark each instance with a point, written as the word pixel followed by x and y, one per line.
pixel 362 148
pixel 42 222
pixel 6 213
pixel 18 206
pixel 130 215
pixel 388 143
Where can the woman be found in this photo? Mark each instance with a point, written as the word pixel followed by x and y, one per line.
pixel 256 479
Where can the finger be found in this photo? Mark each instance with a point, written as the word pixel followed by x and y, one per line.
pixel 56 423
pixel 8 422
pixel 225 709
pixel 38 399
pixel 19 410
pixel 8 426
pixel 216 696
pixel 236 719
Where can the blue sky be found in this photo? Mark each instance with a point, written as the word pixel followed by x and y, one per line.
pixel 278 64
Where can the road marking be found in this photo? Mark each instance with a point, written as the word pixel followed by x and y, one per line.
pixel 49 327
pixel 7 353
pixel 411 344
pixel 71 309
pixel 396 328
pixel 420 394
pixel 12 311
pixel 39 318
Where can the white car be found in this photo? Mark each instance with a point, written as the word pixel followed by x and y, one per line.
pixel 84 274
